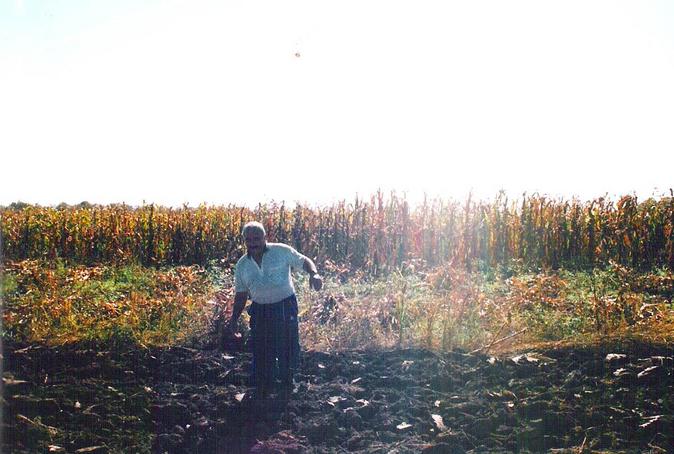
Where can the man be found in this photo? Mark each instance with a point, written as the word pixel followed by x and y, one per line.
pixel 264 275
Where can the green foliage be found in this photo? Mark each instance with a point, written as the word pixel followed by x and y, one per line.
pixel 550 325
pixel 8 285
pixel 118 304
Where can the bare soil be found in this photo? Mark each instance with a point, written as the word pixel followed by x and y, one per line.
pixel 182 400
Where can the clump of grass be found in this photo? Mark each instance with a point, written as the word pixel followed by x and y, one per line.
pixel 451 308
pixel 443 309
pixel 55 303
pixel 566 305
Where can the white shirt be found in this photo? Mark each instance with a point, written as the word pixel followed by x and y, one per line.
pixel 271 282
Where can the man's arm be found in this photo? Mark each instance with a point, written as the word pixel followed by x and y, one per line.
pixel 240 299
pixel 315 279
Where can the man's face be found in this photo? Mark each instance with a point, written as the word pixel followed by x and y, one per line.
pixel 255 241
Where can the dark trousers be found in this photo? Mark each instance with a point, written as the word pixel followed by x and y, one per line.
pixel 275 341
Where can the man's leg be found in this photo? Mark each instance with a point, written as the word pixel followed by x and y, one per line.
pixel 263 350
pixel 289 351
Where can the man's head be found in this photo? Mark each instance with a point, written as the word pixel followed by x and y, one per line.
pixel 254 236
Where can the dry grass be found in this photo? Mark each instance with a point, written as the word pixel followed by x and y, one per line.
pixel 450 308
pixel 440 308
pixel 57 304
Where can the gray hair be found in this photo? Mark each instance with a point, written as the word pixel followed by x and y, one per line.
pixel 253 225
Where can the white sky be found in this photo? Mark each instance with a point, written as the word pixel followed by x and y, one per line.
pixel 248 101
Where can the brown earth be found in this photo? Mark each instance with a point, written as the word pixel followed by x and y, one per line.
pixel 82 399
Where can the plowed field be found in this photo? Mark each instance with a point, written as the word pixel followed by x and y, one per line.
pixel 81 399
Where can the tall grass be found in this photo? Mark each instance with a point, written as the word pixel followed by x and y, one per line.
pixel 376 235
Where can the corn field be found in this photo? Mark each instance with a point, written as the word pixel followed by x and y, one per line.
pixel 376 235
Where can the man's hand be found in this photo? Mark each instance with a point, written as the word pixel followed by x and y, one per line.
pixel 229 338
pixel 316 281
pixel 231 327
